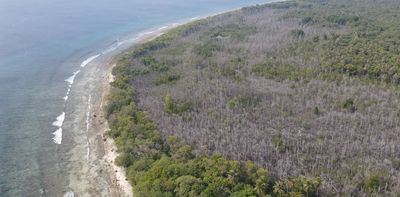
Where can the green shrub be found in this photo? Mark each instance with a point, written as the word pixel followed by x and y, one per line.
pixel 243 102
pixel 153 64
pixel 284 71
pixel 279 144
pixel 349 105
pixel 189 186
pixel 342 20
pixel 140 71
pixel 375 183
pixel 168 79
pixel 168 104
pixel 244 191
pixel 249 101
pixel 297 33
pixel 233 103
pixel 180 107
pixel 117 99
pixel 316 111
pixel 124 159
pixel 232 31
pixel 300 186
pixel 142 164
pixel 307 20
pixel 316 38
pixel 207 49
pixel 176 107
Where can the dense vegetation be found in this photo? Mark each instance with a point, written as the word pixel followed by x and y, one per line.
pixel 170 167
pixel 306 89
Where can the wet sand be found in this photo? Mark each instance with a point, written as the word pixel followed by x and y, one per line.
pixel 92 171
pixel 91 168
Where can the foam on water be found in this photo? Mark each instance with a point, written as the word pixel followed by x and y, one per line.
pixel 71 79
pixel 88 60
pixel 194 18
pixel 60 120
pixel 134 39
pixel 113 47
pixel 58 133
pixel 57 136
pixel 69 194
pixel 78 43
pixel 164 27
pixel 145 33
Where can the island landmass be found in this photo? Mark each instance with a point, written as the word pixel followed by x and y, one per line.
pixel 295 98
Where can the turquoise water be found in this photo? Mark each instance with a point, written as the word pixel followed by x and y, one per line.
pixel 42 43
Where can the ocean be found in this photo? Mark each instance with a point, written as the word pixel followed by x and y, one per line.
pixel 45 48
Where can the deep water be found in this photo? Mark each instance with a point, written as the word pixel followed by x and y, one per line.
pixel 42 44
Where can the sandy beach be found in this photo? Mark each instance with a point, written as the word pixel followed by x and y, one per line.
pixel 93 172
pixel 96 174
pixel 107 144
pixel 99 142
pixel 56 73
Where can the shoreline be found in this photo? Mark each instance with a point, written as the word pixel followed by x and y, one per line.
pixel 124 188
pixel 91 168
pixel 107 144
pixel 110 150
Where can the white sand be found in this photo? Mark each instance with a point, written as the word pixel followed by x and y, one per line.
pixel 110 153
